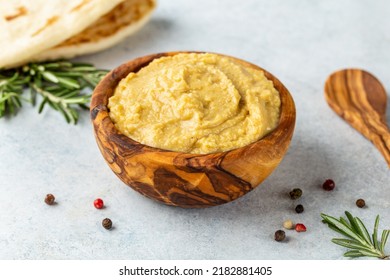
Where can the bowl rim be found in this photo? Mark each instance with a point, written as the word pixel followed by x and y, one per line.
pixel 105 89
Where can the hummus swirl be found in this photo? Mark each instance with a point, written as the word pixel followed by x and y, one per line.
pixel 195 103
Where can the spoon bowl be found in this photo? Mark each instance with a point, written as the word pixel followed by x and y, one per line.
pixel 359 98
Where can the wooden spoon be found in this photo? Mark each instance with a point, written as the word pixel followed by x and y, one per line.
pixel 359 98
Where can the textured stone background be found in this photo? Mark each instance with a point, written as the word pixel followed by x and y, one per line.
pixel 301 42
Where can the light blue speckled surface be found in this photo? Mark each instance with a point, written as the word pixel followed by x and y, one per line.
pixel 301 42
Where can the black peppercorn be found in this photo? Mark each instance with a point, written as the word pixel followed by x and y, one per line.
pixel 49 199
pixel 280 235
pixel 360 203
pixel 107 223
pixel 296 193
pixel 299 208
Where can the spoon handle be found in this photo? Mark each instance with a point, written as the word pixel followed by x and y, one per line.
pixel 379 134
pixel 366 120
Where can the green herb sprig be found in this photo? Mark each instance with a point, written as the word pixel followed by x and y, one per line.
pixel 358 239
pixel 61 84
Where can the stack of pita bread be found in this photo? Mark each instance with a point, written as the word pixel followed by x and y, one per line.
pixel 36 30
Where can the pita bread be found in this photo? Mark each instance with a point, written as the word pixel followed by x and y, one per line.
pixel 122 21
pixel 33 27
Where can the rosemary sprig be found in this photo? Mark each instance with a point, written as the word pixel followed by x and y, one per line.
pixel 357 238
pixel 61 84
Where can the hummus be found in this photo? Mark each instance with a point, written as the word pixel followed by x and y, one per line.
pixel 195 103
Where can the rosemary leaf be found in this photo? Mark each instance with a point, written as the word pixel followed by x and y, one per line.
pixel 55 105
pixel 81 64
pixel 353 254
pixel 68 94
pixel 385 235
pixel 86 68
pixel 51 65
pixel 345 223
pixel 375 234
pixel 65 114
pixel 75 115
pixel 363 231
pixel 16 101
pixel 75 100
pixel 68 74
pixel 332 227
pixel 369 253
pixel 348 243
pixel 82 106
pixel 10 105
pixel 351 221
pixel 69 83
pixel 50 77
pixel 42 105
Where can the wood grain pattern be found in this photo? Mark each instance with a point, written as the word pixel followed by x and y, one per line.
pixel 181 179
pixel 359 98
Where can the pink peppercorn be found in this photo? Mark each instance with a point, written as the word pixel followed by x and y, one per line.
pixel 98 203
pixel 300 227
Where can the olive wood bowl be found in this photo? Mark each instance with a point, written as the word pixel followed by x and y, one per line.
pixel 182 179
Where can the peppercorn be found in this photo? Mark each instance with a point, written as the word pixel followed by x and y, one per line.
pixel 98 203
pixel 360 203
pixel 296 193
pixel 299 209
pixel 280 235
pixel 49 199
pixel 107 223
pixel 328 185
pixel 288 224
pixel 300 227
